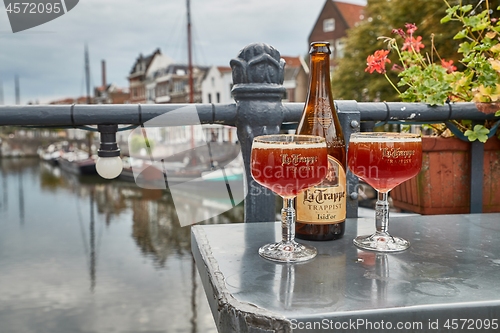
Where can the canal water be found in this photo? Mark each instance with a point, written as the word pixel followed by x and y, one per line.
pixel 89 255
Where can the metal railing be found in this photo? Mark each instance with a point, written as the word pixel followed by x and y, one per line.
pixel 258 92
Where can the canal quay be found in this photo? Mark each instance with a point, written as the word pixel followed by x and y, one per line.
pixel 84 254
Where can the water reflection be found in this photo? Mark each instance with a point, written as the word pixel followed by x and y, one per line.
pixel 86 254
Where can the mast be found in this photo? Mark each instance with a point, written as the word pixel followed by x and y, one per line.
pixel 1 92
pixel 89 135
pixel 87 74
pixel 190 60
pixel 93 255
pixel 190 71
pixel 17 90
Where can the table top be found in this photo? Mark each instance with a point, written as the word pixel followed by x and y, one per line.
pixel 451 272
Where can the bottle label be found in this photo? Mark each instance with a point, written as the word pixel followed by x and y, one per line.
pixel 325 203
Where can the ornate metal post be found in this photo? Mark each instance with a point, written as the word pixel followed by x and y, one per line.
pixel 258 74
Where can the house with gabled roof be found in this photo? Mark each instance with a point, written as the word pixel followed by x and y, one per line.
pixel 172 83
pixel 140 74
pixel 332 24
pixel 217 85
pixel 110 94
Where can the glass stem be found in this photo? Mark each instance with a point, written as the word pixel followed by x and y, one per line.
pixel 382 212
pixel 288 220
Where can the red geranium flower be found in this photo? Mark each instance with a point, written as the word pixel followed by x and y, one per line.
pixel 399 32
pixel 413 44
pixel 448 65
pixel 410 28
pixel 377 61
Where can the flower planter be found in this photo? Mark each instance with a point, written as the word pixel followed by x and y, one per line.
pixel 443 184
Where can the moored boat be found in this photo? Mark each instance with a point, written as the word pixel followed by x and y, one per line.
pixel 77 162
pixel 50 154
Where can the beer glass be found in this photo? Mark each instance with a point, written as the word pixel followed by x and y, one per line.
pixel 384 160
pixel 288 164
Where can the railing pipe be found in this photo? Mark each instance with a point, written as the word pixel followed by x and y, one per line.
pixel 224 114
pixel 120 114
pixel 387 111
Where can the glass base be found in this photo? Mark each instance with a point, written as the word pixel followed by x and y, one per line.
pixel 381 242
pixel 288 252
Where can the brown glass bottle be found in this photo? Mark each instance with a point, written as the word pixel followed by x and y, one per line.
pixel 321 210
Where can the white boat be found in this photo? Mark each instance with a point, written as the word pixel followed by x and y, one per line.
pixel 50 154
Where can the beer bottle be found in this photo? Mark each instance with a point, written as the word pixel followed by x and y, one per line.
pixel 321 210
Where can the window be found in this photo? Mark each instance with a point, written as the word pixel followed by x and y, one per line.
pixel 209 98
pixel 179 86
pixel 339 48
pixel 328 25
pixel 218 97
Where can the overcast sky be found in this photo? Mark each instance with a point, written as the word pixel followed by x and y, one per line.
pixel 49 59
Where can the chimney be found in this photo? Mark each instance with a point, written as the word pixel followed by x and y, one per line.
pixel 103 69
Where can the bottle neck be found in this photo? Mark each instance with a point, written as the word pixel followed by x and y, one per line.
pixel 319 77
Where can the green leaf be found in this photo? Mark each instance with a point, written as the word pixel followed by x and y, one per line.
pixel 479 133
pixel 452 10
pixel 466 47
pixel 483 138
pixel 445 19
pixel 497 114
pixel 461 34
pixel 470 135
pixel 480 129
pixel 465 9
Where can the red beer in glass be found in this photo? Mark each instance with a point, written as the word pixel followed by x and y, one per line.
pixel 385 161
pixel 287 169
pixel 287 164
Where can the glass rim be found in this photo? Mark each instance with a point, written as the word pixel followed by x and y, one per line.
pixel 289 138
pixel 386 134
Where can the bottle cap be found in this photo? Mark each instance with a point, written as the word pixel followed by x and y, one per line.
pixel 320 47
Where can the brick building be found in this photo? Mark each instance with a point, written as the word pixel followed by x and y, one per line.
pixel 332 24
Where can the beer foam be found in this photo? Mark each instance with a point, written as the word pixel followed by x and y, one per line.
pixel 381 137
pixel 288 145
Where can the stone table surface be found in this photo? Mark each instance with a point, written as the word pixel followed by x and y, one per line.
pixel 448 281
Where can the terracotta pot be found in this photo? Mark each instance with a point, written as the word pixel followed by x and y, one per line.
pixel 443 184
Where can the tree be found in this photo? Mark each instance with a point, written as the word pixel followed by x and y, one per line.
pixel 349 79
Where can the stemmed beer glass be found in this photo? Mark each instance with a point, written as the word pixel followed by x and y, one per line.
pixel 384 160
pixel 287 164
